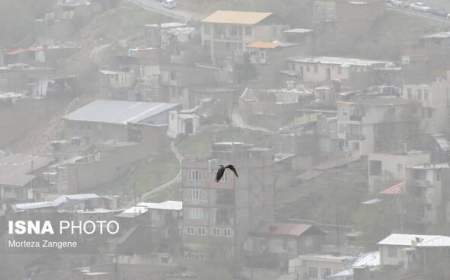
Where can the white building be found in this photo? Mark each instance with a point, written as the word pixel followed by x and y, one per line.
pixel 181 123
pixel 325 68
pixel 318 267
pixel 398 249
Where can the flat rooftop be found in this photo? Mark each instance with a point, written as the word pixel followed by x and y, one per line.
pixel 343 61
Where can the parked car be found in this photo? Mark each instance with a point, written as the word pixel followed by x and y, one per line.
pixel 169 4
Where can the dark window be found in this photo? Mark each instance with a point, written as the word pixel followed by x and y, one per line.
pixel 375 167
pixel 223 217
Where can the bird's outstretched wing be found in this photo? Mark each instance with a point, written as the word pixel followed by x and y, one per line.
pixel 231 167
pixel 219 173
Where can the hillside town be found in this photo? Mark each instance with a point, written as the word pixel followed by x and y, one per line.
pixel 335 113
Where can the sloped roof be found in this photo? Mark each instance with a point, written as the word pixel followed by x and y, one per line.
pixel 368 260
pixel 118 112
pixel 16 169
pixel 285 229
pixel 165 205
pixel 60 200
pixel 263 45
pixel 133 212
pixel 394 190
pixel 236 17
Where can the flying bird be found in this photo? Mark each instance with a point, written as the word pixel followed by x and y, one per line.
pixel 222 169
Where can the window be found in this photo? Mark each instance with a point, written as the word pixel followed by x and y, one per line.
pixel 429 112
pixel 197 213
pixel 202 231
pixel 228 232
pixel 316 68
pixel 248 31
pixel 189 230
pixel 419 94
pixel 326 272
pixel 375 167
pixel 307 68
pixel 312 272
pixel 233 31
pixel 207 29
pixel 216 231
pixel 196 195
pixel 409 91
pixel 195 175
pixel 173 75
pixel 400 168
pixel 223 217
pixel 392 252
pixel 419 174
pixel 425 94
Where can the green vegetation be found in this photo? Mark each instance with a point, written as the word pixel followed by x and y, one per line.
pixel 331 198
pixel 155 172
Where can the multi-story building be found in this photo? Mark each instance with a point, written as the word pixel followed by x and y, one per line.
pixel 219 216
pixel 229 32
pixel 387 169
pixel 433 97
pixel 427 195
pixel 369 124
pixel 322 69
pixel 413 255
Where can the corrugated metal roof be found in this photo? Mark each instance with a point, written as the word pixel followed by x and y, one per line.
pixel 394 190
pixel 236 17
pixel 118 112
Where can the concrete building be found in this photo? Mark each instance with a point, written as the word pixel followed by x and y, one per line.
pixel 183 123
pixel 272 108
pixel 433 97
pixel 156 225
pixel 387 169
pixel 413 253
pixel 368 124
pixel 318 267
pixel 123 121
pixel 275 243
pixel 322 69
pixel 229 32
pixel 218 217
pixel 427 200
pixel 21 177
